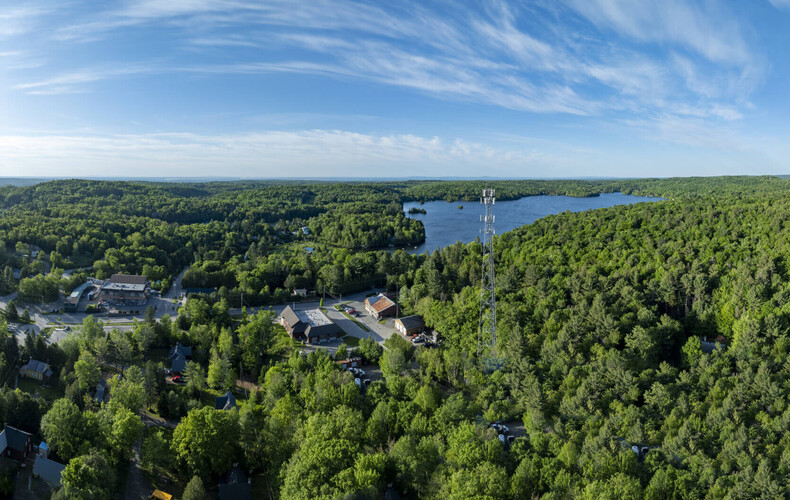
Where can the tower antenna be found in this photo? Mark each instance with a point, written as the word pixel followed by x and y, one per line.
pixel 487 293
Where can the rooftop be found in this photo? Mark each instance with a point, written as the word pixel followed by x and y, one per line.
pixel 313 317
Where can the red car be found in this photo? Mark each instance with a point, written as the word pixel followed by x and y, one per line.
pixel 176 379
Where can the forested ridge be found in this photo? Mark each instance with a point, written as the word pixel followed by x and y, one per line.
pixel 601 317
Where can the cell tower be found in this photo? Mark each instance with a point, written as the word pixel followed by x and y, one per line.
pixel 487 295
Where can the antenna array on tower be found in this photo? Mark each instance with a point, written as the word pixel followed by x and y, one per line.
pixel 487 328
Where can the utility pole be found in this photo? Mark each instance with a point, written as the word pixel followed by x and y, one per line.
pixel 487 292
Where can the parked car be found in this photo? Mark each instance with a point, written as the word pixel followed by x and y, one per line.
pixel 419 339
pixel 176 379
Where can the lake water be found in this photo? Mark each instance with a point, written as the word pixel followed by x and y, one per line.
pixel 445 223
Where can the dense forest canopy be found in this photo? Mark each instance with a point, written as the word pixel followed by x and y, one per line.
pixel 602 317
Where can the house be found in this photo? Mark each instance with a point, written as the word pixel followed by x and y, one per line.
pixel 48 470
pixel 350 362
pixel 125 289
pixel 380 306
pixel 101 391
pixel 179 355
pixel 311 326
pixel 301 292
pixel 15 443
pixel 225 402
pixel 37 370
pixel 235 487
pixel 409 325
pixel 708 347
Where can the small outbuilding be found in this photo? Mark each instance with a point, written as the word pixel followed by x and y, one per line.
pixel 225 402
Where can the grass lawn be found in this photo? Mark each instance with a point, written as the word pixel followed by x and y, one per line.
pixel 32 387
pixel 351 341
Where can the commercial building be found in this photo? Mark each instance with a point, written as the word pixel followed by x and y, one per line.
pixel 311 326
pixel 126 289
pixel 380 306
pixel 74 299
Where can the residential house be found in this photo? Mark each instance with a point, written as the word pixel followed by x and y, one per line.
pixel 15 443
pixel 48 470
pixel 311 326
pixel 225 402
pixel 380 306
pixel 300 292
pixel 409 325
pixel 125 290
pixel 235 487
pixel 37 370
pixel 179 355
pixel 350 362
pixel 708 347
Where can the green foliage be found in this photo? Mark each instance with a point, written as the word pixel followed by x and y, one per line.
pixel 89 476
pixel 195 490
pixel 205 441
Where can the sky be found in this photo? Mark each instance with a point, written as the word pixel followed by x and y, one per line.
pixel 337 88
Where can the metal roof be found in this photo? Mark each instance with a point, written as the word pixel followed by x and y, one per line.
pixel 48 470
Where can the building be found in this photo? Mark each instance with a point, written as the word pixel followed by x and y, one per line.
pixel 225 402
pixel 15 443
pixel 311 326
pixel 48 470
pixel 73 300
pixel 179 355
pixel 126 290
pixel 349 363
pixel 300 292
pixel 708 347
pixel 410 325
pixel 380 306
pixel 235 487
pixel 101 391
pixel 37 370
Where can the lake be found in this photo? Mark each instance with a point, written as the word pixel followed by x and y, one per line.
pixel 445 223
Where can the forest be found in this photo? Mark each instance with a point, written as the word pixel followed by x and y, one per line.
pixel 661 326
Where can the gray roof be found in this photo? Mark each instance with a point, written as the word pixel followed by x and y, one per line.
pixel 16 439
pixel 225 402
pixel 38 367
pixel 290 317
pixel 410 322
pixel 178 365
pixel 101 387
pixel 48 470
pixel 235 486
pixel 180 351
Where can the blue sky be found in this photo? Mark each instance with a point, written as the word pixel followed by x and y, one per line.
pixel 555 88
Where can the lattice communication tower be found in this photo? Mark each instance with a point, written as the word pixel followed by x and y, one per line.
pixel 487 329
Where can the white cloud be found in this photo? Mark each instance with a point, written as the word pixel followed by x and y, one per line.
pixel 308 153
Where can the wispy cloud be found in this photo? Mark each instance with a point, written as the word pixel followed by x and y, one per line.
pixel 516 57
pixel 318 153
